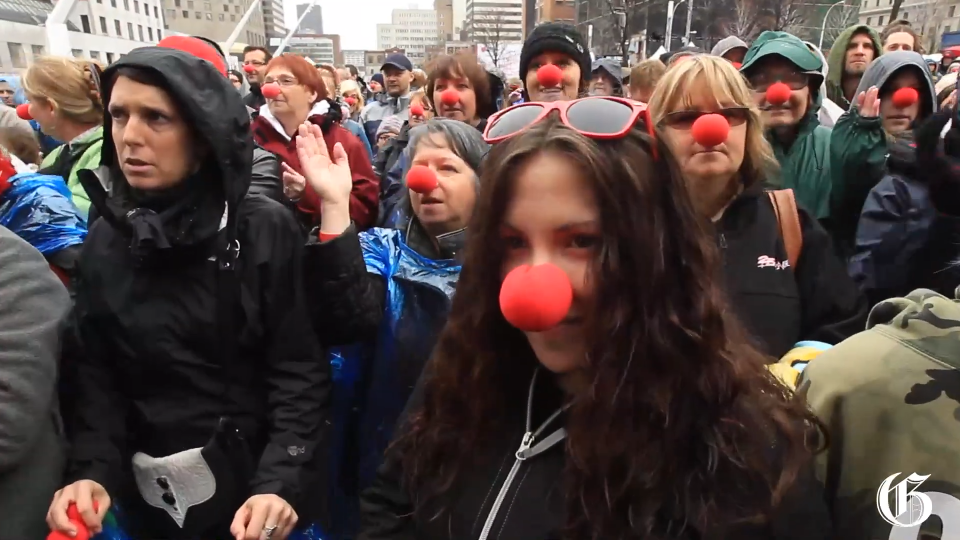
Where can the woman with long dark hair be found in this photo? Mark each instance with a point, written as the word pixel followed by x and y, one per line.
pixel 639 409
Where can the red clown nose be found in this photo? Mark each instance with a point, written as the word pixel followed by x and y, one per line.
pixel 416 109
pixel 248 68
pixel 23 111
pixel 710 130
pixel 450 97
pixel 83 533
pixel 270 90
pixel 351 101
pixel 905 97
pixel 737 65
pixel 778 93
pixel 421 179
pixel 535 298
pixel 549 76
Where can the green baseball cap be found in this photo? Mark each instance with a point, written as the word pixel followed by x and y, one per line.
pixel 786 45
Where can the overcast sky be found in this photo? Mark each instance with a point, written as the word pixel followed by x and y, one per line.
pixel 355 20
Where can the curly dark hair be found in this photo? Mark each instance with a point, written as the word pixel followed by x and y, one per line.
pixel 681 424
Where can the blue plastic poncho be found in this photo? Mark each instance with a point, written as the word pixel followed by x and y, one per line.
pixel 372 381
pixel 40 209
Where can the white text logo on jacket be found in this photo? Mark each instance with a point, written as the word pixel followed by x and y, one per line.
pixel 764 261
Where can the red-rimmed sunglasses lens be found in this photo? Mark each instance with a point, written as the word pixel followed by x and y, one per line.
pixel 513 120
pixel 600 116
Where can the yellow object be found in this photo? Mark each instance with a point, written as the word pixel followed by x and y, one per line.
pixel 789 367
pixel 787 375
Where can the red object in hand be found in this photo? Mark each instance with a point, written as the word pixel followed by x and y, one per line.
pixel 83 533
pixel 351 101
pixel 737 65
pixel 549 76
pixel 416 109
pixel 905 97
pixel 449 97
pixel 535 298
pixel 7 171
pixel 249 68
pixel 270 90
pixel 710 130
pixel 778 93
pixel 23 111
pixel 421 179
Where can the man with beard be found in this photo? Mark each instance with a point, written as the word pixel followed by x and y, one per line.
pixel 799 142
pixel 850 55
pixel 397 74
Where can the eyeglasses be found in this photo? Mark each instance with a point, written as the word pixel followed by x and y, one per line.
pixel 685 119
pixel 257 63
pixel 794 79
pixel 283 81
pixel 596 117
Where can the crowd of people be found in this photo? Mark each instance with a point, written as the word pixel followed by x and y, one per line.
pixel 712 296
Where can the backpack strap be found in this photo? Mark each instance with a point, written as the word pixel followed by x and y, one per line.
pixel 788 220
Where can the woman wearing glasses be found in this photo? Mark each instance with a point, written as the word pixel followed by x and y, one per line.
pixel 782 275
pixel 623 401
pixel 298 96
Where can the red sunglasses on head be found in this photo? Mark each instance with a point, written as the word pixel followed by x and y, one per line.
pixel 596 117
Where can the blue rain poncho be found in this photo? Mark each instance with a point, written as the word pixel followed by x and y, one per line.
pixel 40 209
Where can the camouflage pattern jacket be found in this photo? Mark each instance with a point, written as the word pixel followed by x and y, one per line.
pixel 890 398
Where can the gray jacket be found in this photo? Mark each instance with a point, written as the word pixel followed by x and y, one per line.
pixel 33 308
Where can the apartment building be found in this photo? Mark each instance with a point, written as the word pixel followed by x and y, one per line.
pixel 214 19
pixel 413 30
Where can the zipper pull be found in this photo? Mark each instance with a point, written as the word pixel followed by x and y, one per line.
pixel 524 445
pixel 723 241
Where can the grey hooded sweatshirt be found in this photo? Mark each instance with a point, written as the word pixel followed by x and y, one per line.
pixel 727 44
pixel 33 307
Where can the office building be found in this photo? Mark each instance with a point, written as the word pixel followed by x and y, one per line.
pixel 318 48
pixel 313 22
pixel 413 30
pixel 273 24
pixel 543 11
pixel 494 23
pixel 101 30
pixel 373 60
pixel 355 58
pixel 215 19
pixel 445 23
pixel 930 18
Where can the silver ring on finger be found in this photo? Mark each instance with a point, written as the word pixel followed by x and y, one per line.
pixel 268 532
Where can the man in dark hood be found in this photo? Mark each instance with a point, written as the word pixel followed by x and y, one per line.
pixel 851 54
pixel 200 385
pixel 607 78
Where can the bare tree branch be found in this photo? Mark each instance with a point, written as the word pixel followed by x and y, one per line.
pixel 895 10
pixel 787 15
pixel 927 22
pixel 839 19
pixel 745 22
pixel 489 31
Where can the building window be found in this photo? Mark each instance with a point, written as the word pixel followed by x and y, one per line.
pixel 16 55
pixel 186 14
pixel 126 5
pixel 868 20
pixel 226 8
pixel 189 4
pixel 117 28
pixel 221 17
pixel 156 12
pixel 208 16
pixel 880 22
pixel 77 53
pixel 140 29
pixel 206 6
pixel 109 58
pixel 946 28
pixel 136 6
pixel 233 17
pixel 150 33
pixel 37 50
pixel 103 25
pixel 198 15
pixel 906 15
pixel 94 55
pixel 171 14
pixel 130 31
pixel 236 8
pixel 159 34
pixel 951 12
pixel 85 23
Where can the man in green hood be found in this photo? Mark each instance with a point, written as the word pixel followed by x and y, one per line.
pixel 851 54
pixel 799 142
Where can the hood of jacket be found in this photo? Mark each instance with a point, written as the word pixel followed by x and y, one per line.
pixel 611 67
pixel 838 53
pixel 728 44
pixel 826 65
pixel 883 69
pixel 218 117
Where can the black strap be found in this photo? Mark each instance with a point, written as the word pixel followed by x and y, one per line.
pixel 228 299
pixel 68 156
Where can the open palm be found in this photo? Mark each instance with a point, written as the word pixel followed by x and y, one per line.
pixel 329 177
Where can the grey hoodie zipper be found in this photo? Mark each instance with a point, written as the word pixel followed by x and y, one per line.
pixel 526 451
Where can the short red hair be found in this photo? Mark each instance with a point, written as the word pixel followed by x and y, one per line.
pixel 304 71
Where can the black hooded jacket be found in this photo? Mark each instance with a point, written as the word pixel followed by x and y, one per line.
pixel 152 377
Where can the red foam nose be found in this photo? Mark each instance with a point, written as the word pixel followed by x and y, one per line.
pixel 535 298
pixel 249 69
pixel 351 101
pixel 23 111
pixel 737 65
pixel 710 130
pixel 421 179
pixel 450 97
pixel 778 93
pixel 270 91
pixel 549 76
pixel 905 97
pixel 74 515
pixel 416 110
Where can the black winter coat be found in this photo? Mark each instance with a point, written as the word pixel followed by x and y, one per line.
pixel 779 305
pixel 152 377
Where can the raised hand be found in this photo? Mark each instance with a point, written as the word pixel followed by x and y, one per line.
pixel 329 176
pixel 868 103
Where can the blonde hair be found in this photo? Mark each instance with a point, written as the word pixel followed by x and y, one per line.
pixel 717 76
pixel 419 78
pixel 351 85
pixel 72 86
pixel 420 96
pixel 646 74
